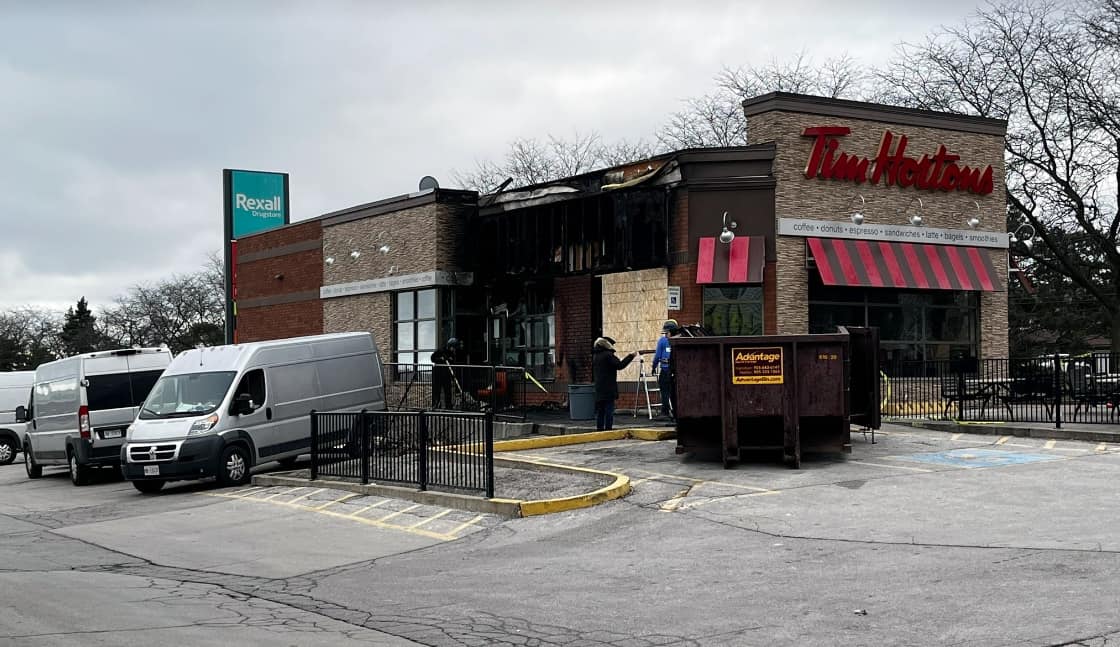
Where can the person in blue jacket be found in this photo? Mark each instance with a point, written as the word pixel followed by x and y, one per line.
pixel 662 369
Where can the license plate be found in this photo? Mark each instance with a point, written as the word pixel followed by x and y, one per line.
pixel 151 470
pixel 111 433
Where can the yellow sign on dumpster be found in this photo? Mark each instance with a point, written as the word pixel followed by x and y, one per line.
pixel 756 366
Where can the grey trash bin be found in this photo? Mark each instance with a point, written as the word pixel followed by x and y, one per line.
pixel 581 401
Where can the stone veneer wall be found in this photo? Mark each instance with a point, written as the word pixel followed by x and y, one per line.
pixel 420 239
pixel 634 306
pixel 799 197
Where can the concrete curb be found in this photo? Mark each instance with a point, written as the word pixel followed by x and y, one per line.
pixel 618 488
pixel 1010 429
pixel 543 442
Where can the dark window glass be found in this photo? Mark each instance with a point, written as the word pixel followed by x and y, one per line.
pixel 142 383
pixel 824 318
pixel 111 391
pixel 253 384
pixel 733 310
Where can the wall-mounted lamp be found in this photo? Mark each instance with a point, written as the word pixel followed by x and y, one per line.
pixel 726 236
pixel 857 215
pixel 329 260
pixel 1024 233
pixel 916 217
pixel 355 254
pixel 384 249
pixel 974 221
pixel 392 270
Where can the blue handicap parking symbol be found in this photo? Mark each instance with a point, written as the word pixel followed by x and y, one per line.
pixel 978 458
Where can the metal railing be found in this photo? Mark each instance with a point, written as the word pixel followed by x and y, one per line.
pixel 425 449
pixel 1051 389
pixel 460 387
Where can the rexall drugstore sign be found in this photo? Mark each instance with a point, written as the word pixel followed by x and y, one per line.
pixel 256 201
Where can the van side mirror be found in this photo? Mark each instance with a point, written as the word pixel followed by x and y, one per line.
pixel 243 404
pixel 21 413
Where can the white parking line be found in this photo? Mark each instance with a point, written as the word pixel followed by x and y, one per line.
pixel 897 467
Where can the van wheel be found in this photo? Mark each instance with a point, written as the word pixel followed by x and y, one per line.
pixel 33 471
pixel 148 487
pixel 234 466
pixel 7 450
pixel 79 474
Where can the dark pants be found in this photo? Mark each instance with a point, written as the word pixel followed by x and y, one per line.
pixel 441 389
pixel 604 414
pixel 665 384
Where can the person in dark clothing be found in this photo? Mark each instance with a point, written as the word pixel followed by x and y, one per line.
pixel 604 368
pixel 442 362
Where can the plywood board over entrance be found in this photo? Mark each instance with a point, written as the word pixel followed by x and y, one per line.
pixel 634 307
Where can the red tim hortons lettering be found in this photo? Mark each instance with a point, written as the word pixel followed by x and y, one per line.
pixel 891 166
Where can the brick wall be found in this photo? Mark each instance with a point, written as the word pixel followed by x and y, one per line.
pixel 634 309
pixel 278 277
pixel 280 321
pixel 800 197
pixel 574 333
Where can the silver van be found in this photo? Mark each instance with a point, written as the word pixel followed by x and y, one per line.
pixel 219 411
pixel 15 392
pixel 81 406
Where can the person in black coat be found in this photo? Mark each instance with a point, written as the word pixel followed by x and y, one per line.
pixel 443 361
pixel 604 368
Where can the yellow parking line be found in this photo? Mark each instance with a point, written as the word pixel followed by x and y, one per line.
pixel 1050 444
pixel 398 513
pixel 1102 447
pixel 1021 445
pixel 670 476
pixel 244 492
pixel 1003 439
pixel 466 524
pixel 304 496
pixel 368 507
pixel 278 493
pixel 953 437
pixel 424 521
pixel 697 504
pixel 338 500
pixel 637 481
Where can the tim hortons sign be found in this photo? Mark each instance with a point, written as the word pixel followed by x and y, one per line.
pixel 939 172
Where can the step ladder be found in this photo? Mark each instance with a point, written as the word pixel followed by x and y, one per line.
pixel 643 386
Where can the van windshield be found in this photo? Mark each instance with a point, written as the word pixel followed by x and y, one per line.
pixel 191 394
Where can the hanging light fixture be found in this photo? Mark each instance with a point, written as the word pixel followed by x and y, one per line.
pixel 916 217
pixel 974 221
pixel 857 215
pixel 726 236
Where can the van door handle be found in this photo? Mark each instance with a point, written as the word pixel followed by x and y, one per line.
pixel 268 413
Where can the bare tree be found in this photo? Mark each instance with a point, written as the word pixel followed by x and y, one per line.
pixel 1053 76
pixel 532 161
pixel 33 334
pixel 711 120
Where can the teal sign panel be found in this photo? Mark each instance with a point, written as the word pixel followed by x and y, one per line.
pixel 258 201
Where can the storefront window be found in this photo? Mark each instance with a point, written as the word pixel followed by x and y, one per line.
pixel 913 325
pixel 526 336
pixel 733 310
pixel 415 320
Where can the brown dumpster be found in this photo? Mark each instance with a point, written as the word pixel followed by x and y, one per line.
pixel 793 393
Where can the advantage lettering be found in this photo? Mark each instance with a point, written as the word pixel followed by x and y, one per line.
pixel 891 165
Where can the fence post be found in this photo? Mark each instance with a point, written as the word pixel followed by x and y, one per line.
pixel 489 442
pixel 363 438
pixel 960 387
pixel 314 445
pixel 423 467
pixel 1057 391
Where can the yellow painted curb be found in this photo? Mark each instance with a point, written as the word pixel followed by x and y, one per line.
pixel 520 444
pixel 616 490
pixel 653 434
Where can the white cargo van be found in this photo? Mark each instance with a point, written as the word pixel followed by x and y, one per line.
pixel 81 406
pixel 218 411
pixel 15 391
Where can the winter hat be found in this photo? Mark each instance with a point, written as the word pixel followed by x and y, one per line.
pixel 605 343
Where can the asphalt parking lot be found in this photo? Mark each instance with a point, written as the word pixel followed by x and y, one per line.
pixel 924 538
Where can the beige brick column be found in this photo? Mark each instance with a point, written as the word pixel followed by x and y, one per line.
pixel 993 312
pixel 793 287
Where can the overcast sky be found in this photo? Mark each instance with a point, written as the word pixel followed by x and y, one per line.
pixel 116 118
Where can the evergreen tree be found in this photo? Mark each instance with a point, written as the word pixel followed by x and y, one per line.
pixel 79 332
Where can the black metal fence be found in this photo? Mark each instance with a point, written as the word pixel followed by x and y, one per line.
pixel 430 450
pixel 1052 389
pixel 463 387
